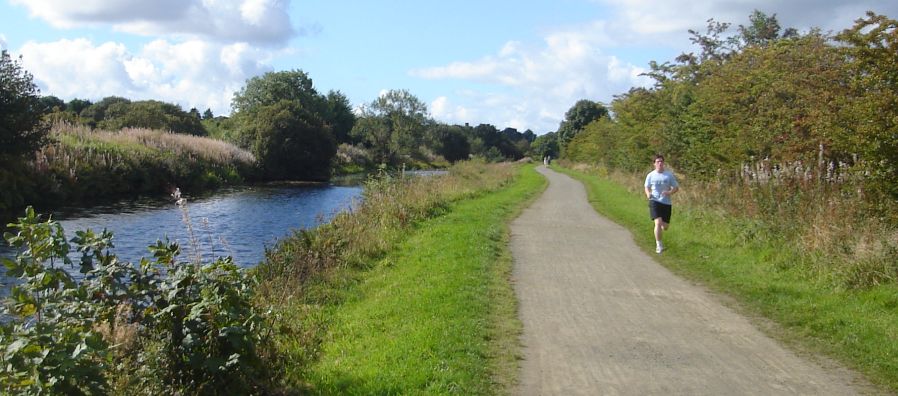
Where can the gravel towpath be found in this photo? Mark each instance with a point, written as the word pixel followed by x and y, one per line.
pixel 602 317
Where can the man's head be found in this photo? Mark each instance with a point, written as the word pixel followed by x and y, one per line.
pixel 659 162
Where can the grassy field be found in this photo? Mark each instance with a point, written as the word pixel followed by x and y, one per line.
pixel 437 314
pixel 858 327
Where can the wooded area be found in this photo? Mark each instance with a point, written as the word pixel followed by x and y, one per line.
pixel 762 103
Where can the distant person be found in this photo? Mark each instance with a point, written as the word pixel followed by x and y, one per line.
pixel 660 184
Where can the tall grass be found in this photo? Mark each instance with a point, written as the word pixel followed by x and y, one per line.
pixel 82 165
pixel 836 235
pixel 181 145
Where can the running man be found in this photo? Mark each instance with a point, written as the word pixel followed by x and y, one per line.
pixel 660 184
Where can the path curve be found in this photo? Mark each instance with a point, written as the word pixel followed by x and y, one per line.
pixel 601 317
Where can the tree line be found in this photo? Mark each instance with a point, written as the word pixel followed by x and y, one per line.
pixel 761 102
pixel 293 130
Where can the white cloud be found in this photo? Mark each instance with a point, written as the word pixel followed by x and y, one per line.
pixel 2 42
pixel 666 19
pixel 255 21
pixel 441 108
pixel 535 86
pixel 190 74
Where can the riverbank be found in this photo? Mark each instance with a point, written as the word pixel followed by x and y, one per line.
pixel 425 306
pixel 83 166
pixel 176 322
pixel 854 326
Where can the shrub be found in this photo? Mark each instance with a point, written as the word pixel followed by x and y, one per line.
pixel 173 326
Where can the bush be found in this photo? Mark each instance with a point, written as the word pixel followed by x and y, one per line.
pixel 174 327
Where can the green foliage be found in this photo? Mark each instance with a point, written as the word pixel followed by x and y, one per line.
pixel 96 112
pixel 871 119
pixel 762 30
pixel 77 105
pixel 393 126
pixel 172 326
pixel 765 104
pixel 577 117
pixel 448 141
pixel 274 87
pixel 489 143
pixel 222 128
pixel 51 103
pixel 339 116
pixel 150 114
pixel 21 128
pixel 287 125
pixel 545 145
pixel 288 141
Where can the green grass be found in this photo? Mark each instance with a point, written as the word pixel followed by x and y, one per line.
pixel 437 315
pixel 858 327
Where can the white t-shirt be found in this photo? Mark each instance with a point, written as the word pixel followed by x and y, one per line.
pixel 659 182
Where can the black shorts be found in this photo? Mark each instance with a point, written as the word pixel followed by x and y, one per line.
pixel 658 209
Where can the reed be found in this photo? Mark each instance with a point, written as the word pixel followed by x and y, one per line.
pixel 84 165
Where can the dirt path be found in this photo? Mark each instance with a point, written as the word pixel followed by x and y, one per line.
pixel 601 317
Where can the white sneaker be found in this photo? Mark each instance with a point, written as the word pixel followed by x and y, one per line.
pixel 659 249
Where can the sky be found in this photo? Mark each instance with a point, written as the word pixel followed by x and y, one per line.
pixel 510 63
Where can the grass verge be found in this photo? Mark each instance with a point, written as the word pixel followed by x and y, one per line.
pixel 437 314
pixel 858 327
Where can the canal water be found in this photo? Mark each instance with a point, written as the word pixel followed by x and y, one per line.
pixel 238 222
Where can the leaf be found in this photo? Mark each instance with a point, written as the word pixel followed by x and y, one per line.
pixel 14 269
pixel 9 264
pixel 26 310
pixel 16 346
pixel 78 349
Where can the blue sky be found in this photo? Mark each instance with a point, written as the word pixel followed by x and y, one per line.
pixel 518 64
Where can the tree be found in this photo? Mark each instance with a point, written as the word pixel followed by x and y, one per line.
pixel 449 142
pixel 529 135
pixel 763 30
pixel 207 115
pixel 288 141
pixel 577 117
pixel 339 116
pixel 393 125
pixel 775 102
pixel 77 105
pixel 273 87
pixel 282 119
pixel 96 112
pixel 545 145
pixel 872 118
pixel 21 128
pixel 51 103
pixel 151 114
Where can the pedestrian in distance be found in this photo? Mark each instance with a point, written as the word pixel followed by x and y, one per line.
pixel 660 184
